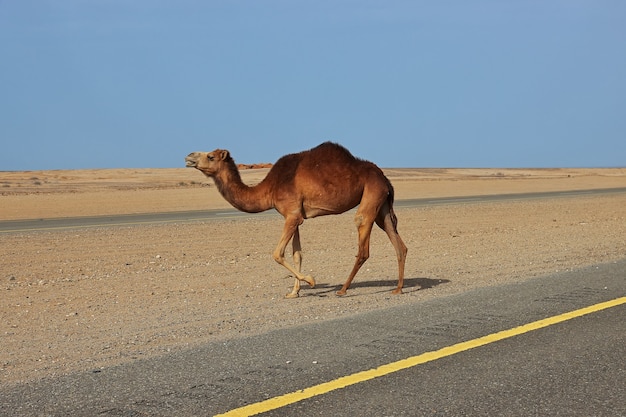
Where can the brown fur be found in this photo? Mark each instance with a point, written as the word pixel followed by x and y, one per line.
pixel 324 180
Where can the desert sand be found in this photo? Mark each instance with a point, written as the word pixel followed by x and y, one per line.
pixel 85 299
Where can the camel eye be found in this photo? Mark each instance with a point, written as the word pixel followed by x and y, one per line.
pixel 210 158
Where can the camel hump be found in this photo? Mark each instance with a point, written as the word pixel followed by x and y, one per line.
pixel 326 156
pixel 326 170
pixel 331 149
pixel 333 161
pixel 331 145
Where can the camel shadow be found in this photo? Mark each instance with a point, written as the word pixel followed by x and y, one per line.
pixel 410 285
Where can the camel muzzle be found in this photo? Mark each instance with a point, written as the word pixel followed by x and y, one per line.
pixel 191 161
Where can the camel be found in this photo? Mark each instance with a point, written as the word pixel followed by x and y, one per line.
pixel 321 181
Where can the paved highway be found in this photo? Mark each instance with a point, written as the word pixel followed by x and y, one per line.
pixel 8 226
pixel 508 350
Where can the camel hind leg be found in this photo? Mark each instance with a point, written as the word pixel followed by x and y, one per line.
pixel 388 221
pixel 291 231
pixel 364 227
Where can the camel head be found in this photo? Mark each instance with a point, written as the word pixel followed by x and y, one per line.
pixel 209 163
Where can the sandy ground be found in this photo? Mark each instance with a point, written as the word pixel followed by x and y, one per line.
pixel 87 299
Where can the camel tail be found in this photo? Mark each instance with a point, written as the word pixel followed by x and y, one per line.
pixel 390 198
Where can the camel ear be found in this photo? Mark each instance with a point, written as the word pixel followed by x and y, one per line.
pixel 224 155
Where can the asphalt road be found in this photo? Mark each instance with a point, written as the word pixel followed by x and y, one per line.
pixel 572 368
pixel 8 226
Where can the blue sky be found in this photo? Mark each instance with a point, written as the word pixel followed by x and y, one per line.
pixel 485 83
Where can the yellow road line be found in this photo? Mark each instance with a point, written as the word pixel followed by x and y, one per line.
pixel 342 382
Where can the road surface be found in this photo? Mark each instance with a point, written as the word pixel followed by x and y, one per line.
pixel 8 226
pixel 569 366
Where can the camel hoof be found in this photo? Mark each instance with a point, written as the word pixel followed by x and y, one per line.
pixel 309 280
pixel 292 295
pixel 340 293
pixel 397 291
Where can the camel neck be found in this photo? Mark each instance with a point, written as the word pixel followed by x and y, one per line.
pixel 251 199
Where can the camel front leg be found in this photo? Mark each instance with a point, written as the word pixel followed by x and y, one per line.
pixel 291 231
pixel 297 262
